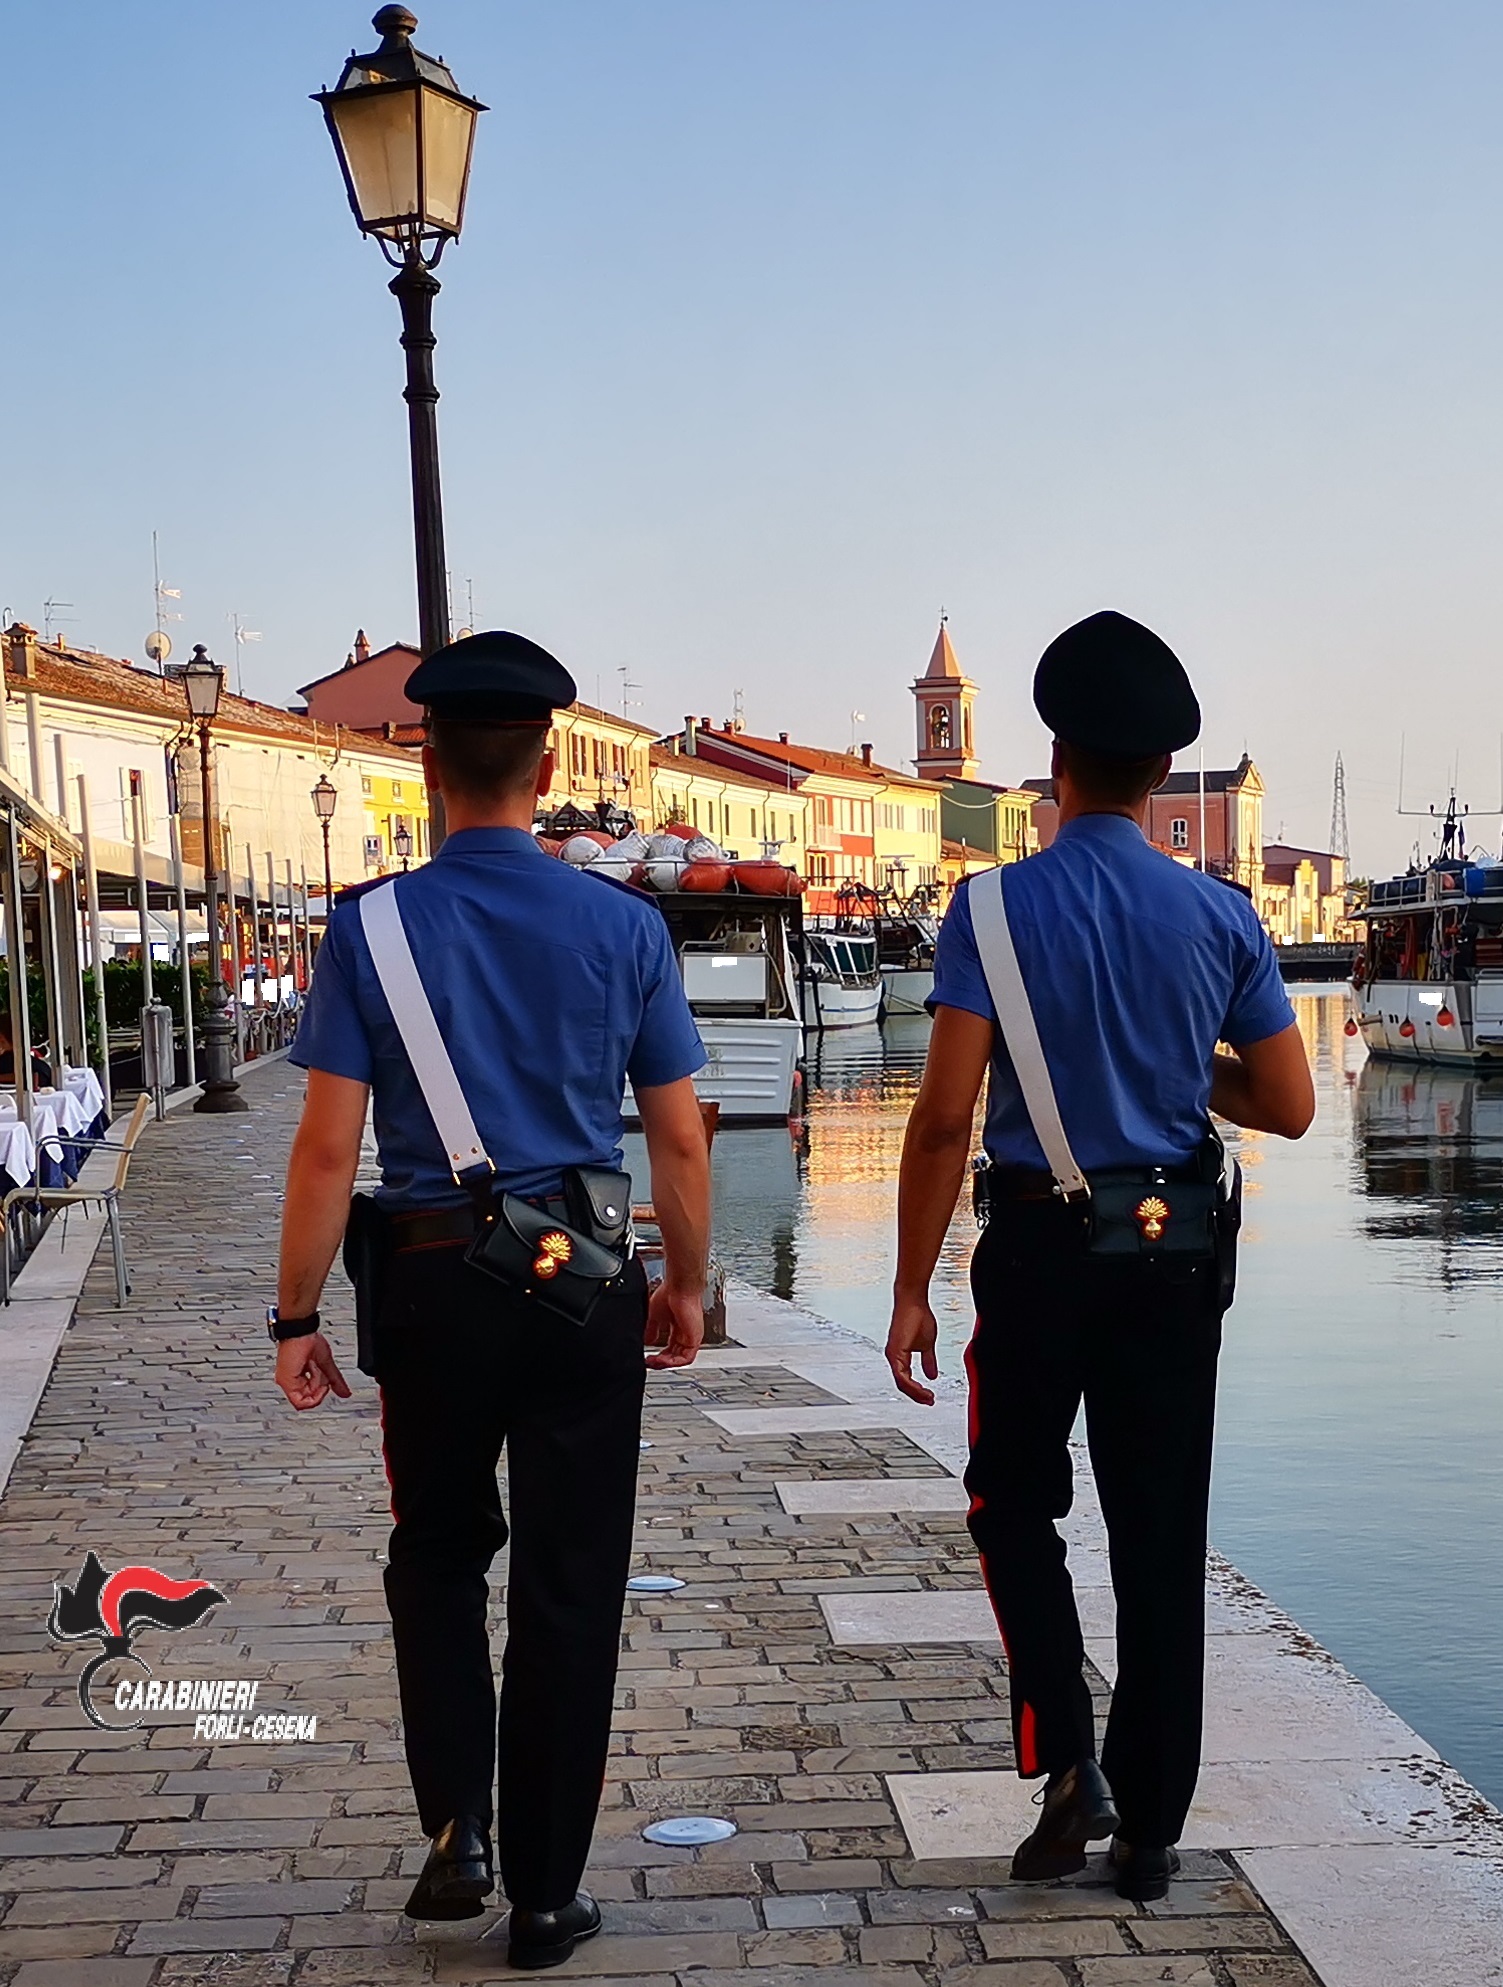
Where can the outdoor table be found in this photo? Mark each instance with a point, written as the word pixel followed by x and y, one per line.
pixel 18 1153
pixel 85 1086
pixel 54 1116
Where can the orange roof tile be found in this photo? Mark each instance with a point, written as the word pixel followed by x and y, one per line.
pixel 85 677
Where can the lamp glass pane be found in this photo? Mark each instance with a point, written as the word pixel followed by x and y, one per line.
pixel 378 136
pixel 448 129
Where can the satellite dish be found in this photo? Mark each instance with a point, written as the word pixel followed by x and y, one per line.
pixel 158 646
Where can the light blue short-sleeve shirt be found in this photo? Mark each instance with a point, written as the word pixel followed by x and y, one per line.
pixel 1136 967
pixel 550 987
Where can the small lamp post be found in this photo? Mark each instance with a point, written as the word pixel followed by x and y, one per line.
pixel 203 681
pixel 325 800
pixel 404 132
pixel 401 841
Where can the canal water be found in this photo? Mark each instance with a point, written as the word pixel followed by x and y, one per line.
pixel 1359 1475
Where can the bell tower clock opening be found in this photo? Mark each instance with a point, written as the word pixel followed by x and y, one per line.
pixel 945 699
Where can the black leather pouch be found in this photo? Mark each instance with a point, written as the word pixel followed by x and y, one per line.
pixel 1145 1213
pixel 549 1261
pixel 366 1252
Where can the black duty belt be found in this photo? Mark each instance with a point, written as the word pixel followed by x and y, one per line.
pixel 446 1227
pixel 1038 1183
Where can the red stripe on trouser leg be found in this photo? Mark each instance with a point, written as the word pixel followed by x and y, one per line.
pixel 1024 1723
pixel 391 1488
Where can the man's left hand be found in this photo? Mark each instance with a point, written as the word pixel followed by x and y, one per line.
pixel 675 1321
pixel 307 1371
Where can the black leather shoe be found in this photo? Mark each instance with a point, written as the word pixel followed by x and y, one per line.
pixel 1142 1873
pixel 457 1874
pixel 546 1938
pixel 1077 1809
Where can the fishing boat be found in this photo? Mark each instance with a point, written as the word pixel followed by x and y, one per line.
pixel 907 933
pixel 736 953
pixel 1428 983
pixel 840 978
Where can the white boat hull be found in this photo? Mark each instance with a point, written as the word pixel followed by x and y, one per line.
pixel 908 987
pixel 750 1070
pixel 828 1004
pixel 1471 1036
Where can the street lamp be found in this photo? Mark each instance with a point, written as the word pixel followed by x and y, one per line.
pixel 404 133
pixel 401 841
pixel 203 681
pixel 325 800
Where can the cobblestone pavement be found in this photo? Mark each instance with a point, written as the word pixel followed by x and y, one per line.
pixel 144 1858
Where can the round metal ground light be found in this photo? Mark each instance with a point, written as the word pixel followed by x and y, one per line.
pixel 653 1583
pixel 689 1831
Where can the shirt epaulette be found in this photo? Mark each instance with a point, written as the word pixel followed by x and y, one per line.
pixel 353 890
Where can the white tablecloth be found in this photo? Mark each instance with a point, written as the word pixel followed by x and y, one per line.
pixel 18 1155
pixel 84 1085
pixel 54 1115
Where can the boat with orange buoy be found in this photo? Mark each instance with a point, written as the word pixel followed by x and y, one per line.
pixel 1428 982
pixel 736 928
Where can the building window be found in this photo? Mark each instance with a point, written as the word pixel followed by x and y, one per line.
pixel 365 783
pixel 1179 833
pixel 396 789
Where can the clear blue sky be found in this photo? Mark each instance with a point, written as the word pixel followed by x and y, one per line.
pixel 776 326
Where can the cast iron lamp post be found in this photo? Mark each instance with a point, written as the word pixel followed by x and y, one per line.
pixel 325 799
pixel 401 841
pixel 203 680
pixel 404 133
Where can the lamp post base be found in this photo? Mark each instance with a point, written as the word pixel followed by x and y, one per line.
pixel 220 1090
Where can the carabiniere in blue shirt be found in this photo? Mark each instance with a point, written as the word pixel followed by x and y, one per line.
pixel 550 987
pixel 1136 967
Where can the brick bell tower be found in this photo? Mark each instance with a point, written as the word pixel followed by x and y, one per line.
pixel 945 697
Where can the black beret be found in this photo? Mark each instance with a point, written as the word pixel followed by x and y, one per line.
pixel 1110 685
pixel 493 678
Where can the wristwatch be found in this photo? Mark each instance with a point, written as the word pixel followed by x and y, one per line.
pixel 278 1327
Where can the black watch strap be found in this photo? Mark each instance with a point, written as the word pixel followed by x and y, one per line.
pixel 278 1327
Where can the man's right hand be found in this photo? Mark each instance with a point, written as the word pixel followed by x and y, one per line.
pixel 675 1321
pixel 913 1330
pixel 307 1371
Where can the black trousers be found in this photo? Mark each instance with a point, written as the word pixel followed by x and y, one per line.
pixel 1138 1341
pixel 464 1368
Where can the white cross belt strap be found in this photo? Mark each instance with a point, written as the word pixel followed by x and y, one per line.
pixel 1004 978
pixel 397 971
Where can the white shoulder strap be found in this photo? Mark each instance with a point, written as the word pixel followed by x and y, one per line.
pixel 397 971
pixel 1004 977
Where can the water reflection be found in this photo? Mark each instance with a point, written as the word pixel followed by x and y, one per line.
pixel 1429 1150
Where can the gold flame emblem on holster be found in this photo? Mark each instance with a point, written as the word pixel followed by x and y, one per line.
pixel 554 1251
pixel 1150 1215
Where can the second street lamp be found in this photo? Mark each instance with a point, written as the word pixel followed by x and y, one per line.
pixel 325 800
pixel 203 681
pixel 404 133
pixel 401 841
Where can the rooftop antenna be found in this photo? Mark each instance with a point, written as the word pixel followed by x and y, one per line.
pixel 1339 844
pixel 242 636
pixel 738 710
pixel 857 717
pixel 628 701
pixel 50 616
pixel 159 642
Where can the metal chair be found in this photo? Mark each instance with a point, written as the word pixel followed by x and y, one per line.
pixel 41 1198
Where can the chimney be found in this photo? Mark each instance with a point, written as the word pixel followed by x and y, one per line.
pixel 21 650
pixel 362 646
pixel 866 755
pixel 691 736
pixel 782 738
